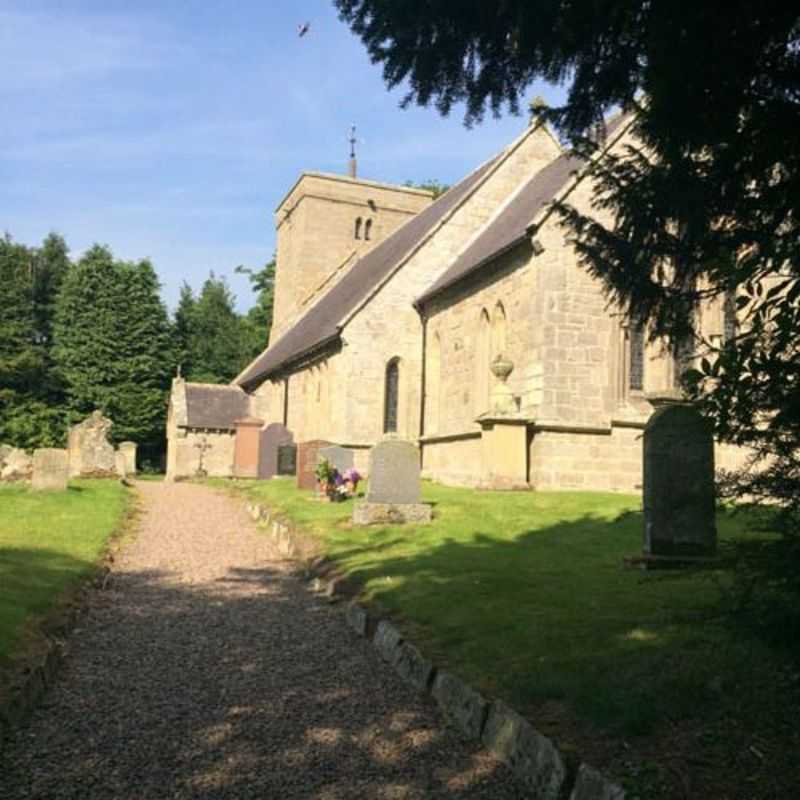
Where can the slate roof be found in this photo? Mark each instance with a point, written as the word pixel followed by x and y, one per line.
pixel 511 224
pixel 210 406
pixel 320 324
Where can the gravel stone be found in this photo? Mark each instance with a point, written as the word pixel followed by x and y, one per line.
pixel 207 671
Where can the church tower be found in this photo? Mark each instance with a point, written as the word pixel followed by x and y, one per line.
pixel 324 224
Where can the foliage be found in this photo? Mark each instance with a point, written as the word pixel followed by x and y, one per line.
pixel 29 391
pixel 325 471
pixel 49 540
pixel 112 344
pixel 258 321
pixel 430 185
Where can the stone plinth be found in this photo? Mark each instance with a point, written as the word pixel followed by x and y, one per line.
pixel 91 455
pixel 128 449
pixel 50 469
pixel 390 513
pixel 679 507
pixel 504 448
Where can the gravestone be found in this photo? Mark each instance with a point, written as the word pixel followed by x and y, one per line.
pixel 128 449
pixel 287 459
pixel 307 460
pixel 50 469
pixel 273 437
pixel 90 452
pixel 394 472
pixel 340 457
pixel 679 512
pixel 394 489
pixel 121 464
pixel 15 464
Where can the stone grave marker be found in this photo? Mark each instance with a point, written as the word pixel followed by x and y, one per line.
pixel 679 508
pixel 340 457
pixel 307 459
pixel 273 437
pixel 121 464
pixel 394 472
pixel 287 459
pixel 50 469
pixel 128 449
pixel 90 452
pixel 394 491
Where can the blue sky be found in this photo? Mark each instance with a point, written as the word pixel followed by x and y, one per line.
pixel 171 130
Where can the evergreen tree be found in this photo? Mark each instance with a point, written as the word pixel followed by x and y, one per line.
pixel 258 321
pixel 30 413
pixel 182 328
pixel 218 346
pixel 113 345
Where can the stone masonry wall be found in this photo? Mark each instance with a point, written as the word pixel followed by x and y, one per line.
pixel 316 234
pixel 389 327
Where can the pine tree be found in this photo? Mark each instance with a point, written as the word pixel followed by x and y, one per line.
pixel 182 327
pixel 258 320
pixel 113 345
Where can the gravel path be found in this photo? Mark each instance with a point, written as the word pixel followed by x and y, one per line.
pixel 206 671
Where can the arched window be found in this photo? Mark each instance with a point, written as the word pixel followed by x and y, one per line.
pixel 367 229
pixel 358 227
pixel 390 396
pixel 729 323
pixel 636 357
pixel 433 384
pixel 483 357
pixel 499 343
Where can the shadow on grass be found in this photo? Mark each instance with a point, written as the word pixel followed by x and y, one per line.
pixel 551 614
pixel 245 686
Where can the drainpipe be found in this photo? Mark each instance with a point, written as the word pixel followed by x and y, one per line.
pixel 286 402
pixel 423 376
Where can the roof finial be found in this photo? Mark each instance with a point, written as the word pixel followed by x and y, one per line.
pixel 353 166
pixel 536 109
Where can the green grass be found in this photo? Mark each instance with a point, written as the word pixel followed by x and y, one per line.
pixel 525 596
pixel 48 542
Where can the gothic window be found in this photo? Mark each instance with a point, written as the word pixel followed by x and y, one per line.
pixel 358 227
pixel 367 229
pixel 433 384
pixel 636 357
pixel 391 391
pixel 483 357
pixel 729 324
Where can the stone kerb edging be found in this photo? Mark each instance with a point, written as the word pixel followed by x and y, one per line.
pixel 532 757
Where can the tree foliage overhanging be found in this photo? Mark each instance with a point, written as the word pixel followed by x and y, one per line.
pixel 706 205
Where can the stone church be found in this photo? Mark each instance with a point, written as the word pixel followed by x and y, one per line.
pixel 463 323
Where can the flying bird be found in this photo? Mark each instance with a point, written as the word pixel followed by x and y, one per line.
pixel 303 28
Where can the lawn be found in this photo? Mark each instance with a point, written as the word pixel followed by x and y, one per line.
pixel 48 542
pixel 525 596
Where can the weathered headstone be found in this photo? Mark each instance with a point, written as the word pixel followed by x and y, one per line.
pixel 287 459
pixel 394 489
pixel 394 472
pixel 272 438
pixel 340 457
pixel 679 508
pixel 128 449
pixel 15 464
pixel 307 460
pixel 50 469
pixel 90 452
pixel 121 464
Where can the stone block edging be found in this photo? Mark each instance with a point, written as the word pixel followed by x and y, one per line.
pixel 533 758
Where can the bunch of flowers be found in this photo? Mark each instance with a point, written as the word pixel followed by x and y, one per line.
pixel 352 477
pixel 335 485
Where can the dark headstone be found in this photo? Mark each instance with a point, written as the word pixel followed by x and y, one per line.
pixel 340 457
pixel 272 438
pixel 394 472
pixel 679 518
pixel 287 459
pixel 307 460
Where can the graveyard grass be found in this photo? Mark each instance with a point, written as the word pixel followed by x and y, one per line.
pixel 524 595
pixel 49 541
